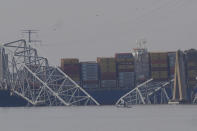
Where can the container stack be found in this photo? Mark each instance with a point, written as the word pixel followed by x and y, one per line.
pixel 107 67
pixel 3 64
pixel 192 67
pixel 71 67
pixel 171 61
pixel 125 70
pixel 159 66
pixel 89 74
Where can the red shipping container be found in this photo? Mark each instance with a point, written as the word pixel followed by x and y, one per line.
pixel 124 55
pixel 72 69
pixel 192 67
pixel 108 76
pixel 159 61
pixel 159 69
pixel 192 79
pixel 72 72
pixel 126 70
pixel 90 82
pixel 172 70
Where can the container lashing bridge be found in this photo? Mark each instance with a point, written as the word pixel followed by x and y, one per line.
pixel 29 76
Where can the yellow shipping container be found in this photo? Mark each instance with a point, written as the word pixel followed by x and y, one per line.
pixel 163 55
pixel 107 64
pixel 192 73
pixel 163 74
pixel 155 65
pixel 125 66
pixel 163 65
pixel 105 60
pixel 159 65
pixel 75 77
pixel 192 83
pixel 69 61
pixel 154 54
pixel 158 55
pixel 159 74
pixel 108 68
pixel 155 74
pixel 158 58
pixel 125 60
pixel 154 57
pixel 192 64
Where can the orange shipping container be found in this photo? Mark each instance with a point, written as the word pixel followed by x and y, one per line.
pixel 66 61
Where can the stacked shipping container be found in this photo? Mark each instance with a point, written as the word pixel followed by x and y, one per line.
pixel 171 61
pixel 159 66
pixel 71 67
pixel 107 72
pixel 107 67
pixel 125 70
pixel 89 74
pixel 192 67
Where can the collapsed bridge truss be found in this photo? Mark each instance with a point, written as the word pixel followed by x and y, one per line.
pixel 29 76
pixel 149 92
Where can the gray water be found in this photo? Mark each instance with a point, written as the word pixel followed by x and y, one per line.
pixel 104 118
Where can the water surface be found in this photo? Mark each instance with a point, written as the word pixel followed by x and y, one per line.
pixel 104 118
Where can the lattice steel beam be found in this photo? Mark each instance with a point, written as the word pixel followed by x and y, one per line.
pixel 30 77
pixel 146 93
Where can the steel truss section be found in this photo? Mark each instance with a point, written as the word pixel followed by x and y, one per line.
pixel 30 77
pixel 195 99
pixel 149 92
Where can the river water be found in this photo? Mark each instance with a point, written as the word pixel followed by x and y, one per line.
pixel 103 118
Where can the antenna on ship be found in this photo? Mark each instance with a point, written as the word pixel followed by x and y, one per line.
pixel 30 33
pixel 141 47
pixel 141 43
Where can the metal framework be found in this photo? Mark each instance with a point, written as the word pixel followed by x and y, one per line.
pixel 149 92
pixel 195 100
pixel 32 78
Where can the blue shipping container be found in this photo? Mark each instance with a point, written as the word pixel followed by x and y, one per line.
pixel 126 79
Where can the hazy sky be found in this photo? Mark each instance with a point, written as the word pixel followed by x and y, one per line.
pixel 89 28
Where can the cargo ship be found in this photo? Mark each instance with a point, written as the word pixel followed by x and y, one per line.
pixel 109 78
pixel 7 99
